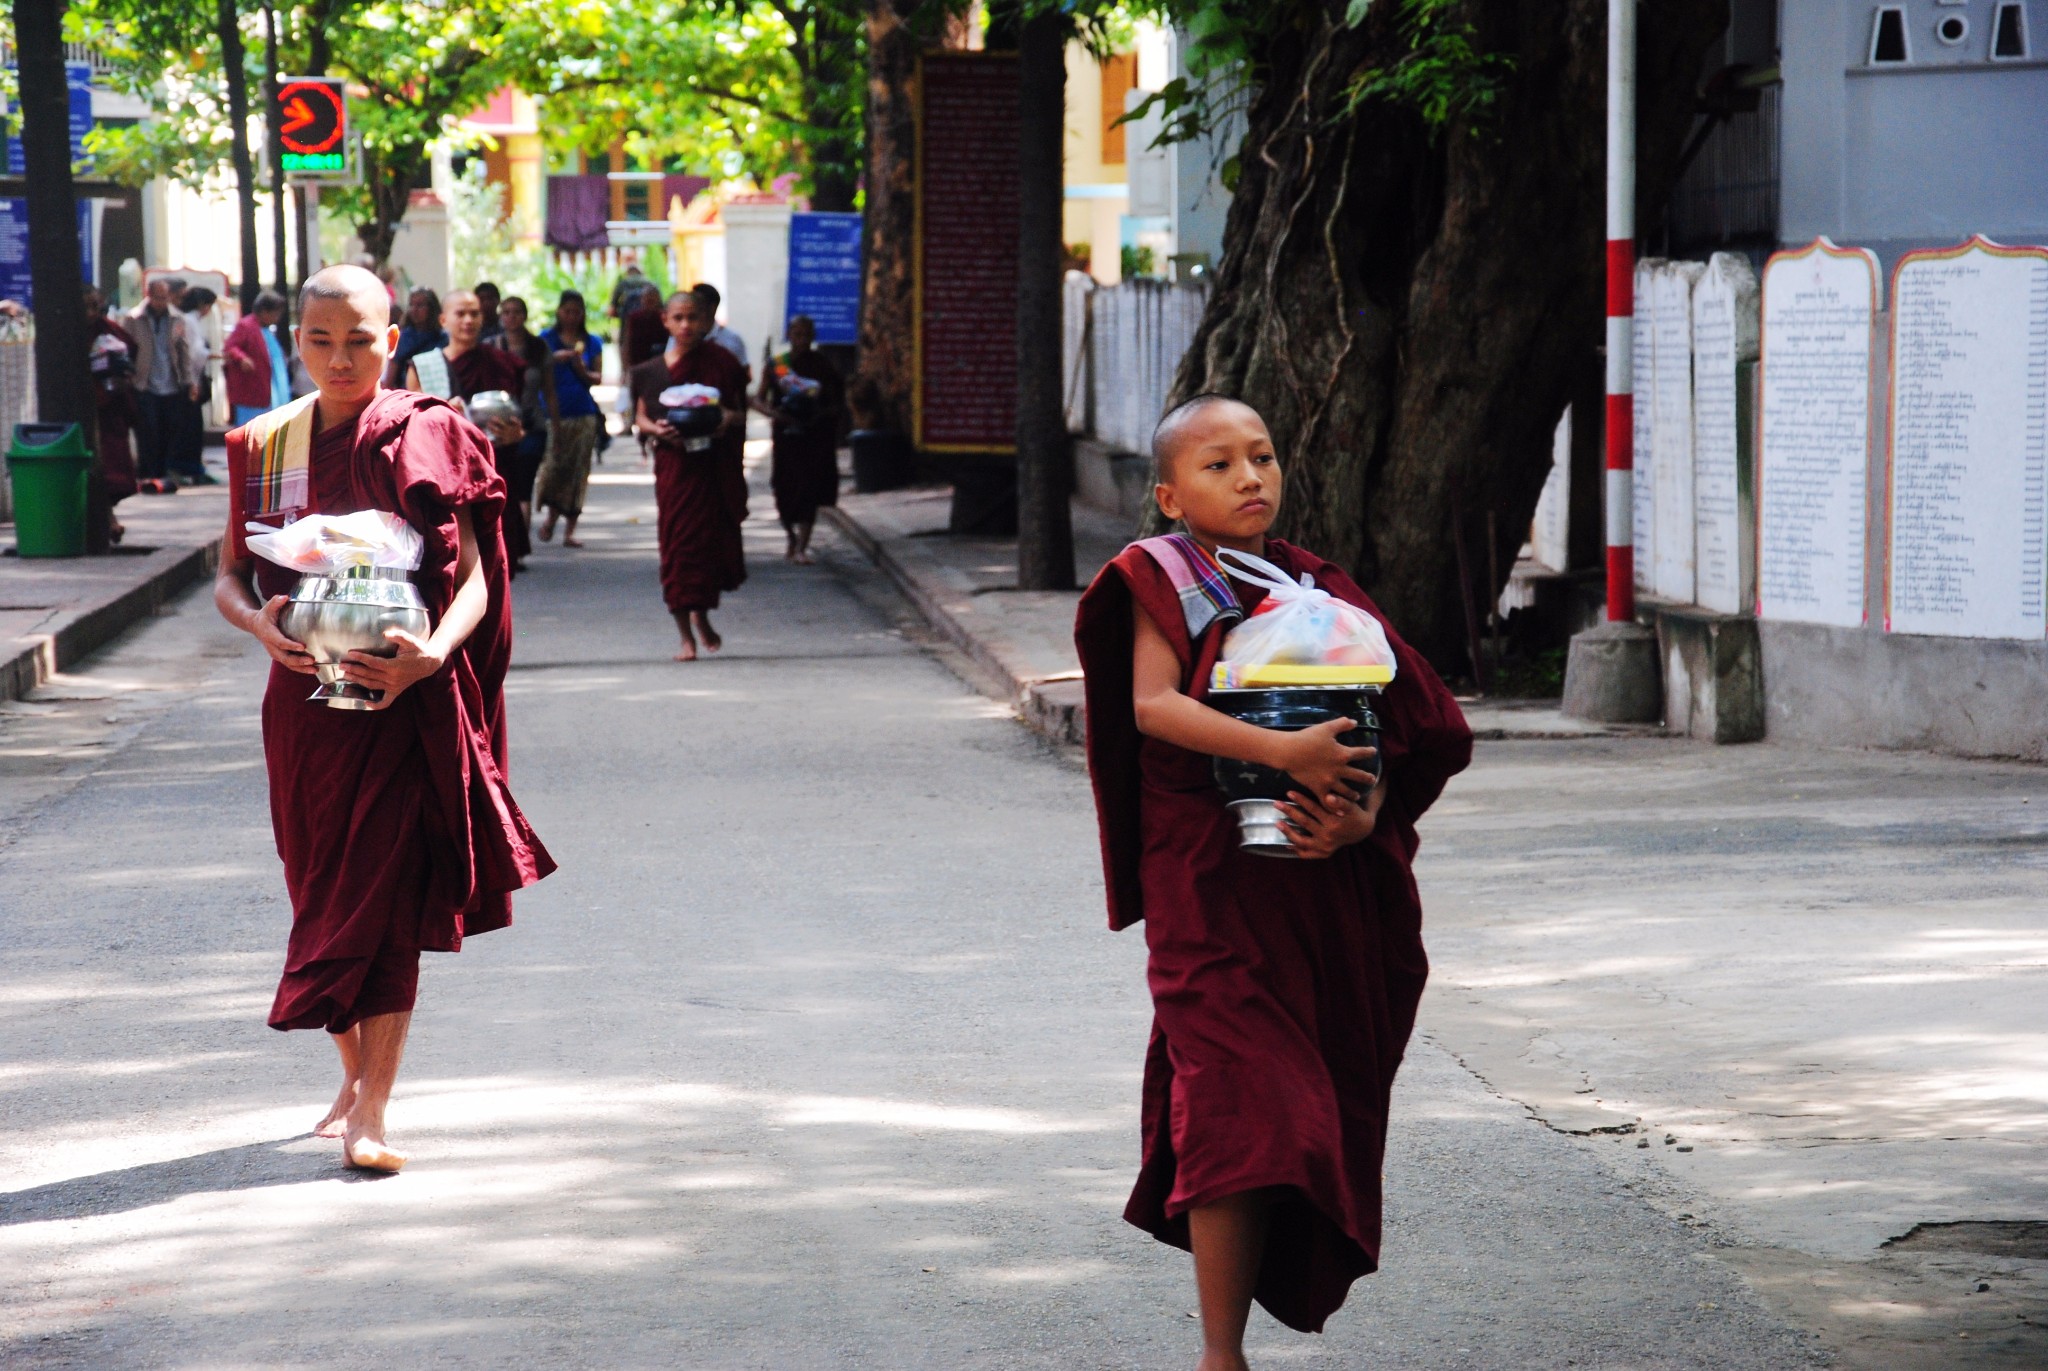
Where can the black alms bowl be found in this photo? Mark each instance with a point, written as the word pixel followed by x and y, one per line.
pixel 696 421
pixel 1251 789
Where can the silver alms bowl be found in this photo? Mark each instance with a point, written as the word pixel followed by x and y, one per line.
pixel 333 616
pixel 487 405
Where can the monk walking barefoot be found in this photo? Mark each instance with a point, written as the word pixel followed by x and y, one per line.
pixel 1283 992
pixel 396 829
pixel 700 485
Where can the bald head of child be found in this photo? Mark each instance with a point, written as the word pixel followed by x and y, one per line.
pixel 345 333
pixel 1216 472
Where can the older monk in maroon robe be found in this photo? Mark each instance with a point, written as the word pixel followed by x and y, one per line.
pixel 700 484
pixel 1283 991
pixel 395 825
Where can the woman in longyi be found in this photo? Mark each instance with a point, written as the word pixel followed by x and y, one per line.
pixel 395 825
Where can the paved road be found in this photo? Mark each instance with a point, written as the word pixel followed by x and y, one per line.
pixel 814 1055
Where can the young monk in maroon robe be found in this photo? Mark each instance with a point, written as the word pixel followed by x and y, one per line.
pixel 470 369
pixel 395 825
pixel 700 495
pixel 1283 991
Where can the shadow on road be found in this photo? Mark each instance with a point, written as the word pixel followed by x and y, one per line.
pixel 248 1167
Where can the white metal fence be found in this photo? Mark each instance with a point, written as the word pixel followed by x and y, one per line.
pixel 17 390
pixel 1122 346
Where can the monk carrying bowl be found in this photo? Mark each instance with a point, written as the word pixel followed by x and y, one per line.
pixel 1253 792
pixel 335 615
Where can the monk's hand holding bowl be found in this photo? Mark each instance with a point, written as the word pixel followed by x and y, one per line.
pixel 392 676
pixel 1318 828
pixel 263 627
pixel 506 430
pixel 1324 766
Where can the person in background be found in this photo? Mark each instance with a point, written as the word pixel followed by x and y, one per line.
pixel 536 400
pixel 252 361
pixel 572 438
pixel 464 369
pixel 187 460
pixel 112 349
pixel 708 296
pixel 700 486
pixel 808 421
pixel 627 290
pixel 421 331
pixel 164 381
pixel 487 298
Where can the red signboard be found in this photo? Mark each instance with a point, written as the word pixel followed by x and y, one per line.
pixel 967 253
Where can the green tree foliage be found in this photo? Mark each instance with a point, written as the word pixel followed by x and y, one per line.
pixel 765 87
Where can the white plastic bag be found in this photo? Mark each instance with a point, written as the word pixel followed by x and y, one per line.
pixel 1298 624
pixel 328 544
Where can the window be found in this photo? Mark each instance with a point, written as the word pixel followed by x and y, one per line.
pixel 1888 35
pixel 1119 75
pixel 2009 38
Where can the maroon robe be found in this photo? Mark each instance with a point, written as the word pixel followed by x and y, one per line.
pixel 1283 991
pixel 805 474
pixel 700 497
pixel 487 368
pixel 396 828
pixel 114 408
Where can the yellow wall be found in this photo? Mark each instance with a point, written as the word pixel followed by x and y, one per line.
pixel 1091 221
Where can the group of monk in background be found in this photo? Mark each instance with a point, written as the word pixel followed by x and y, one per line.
pixel 472 341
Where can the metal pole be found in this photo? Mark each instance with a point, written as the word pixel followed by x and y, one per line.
pixel 1621 271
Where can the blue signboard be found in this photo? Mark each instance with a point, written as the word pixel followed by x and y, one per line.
pixel 78 85
pixel 14 272
pixel 824 275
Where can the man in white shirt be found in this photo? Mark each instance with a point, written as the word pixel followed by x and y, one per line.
pixel 708 296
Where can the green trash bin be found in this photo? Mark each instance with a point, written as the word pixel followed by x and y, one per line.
pixel 52 472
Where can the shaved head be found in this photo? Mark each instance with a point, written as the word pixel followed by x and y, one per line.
pixel 455 297
pixel 345 282
pixel 1182 421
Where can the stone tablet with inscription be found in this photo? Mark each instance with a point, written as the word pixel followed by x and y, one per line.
pixel 1969 450
pixel 1671 288
pixel 1813 433
pixel 1724 329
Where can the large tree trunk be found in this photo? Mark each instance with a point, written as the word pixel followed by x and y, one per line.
pixel 64 393
pixel 1411 312
pixel 1045 535
pixel 883 388
pixel 235 71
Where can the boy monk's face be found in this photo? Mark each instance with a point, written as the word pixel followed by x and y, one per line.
pixel 345 344
pixel 1221 478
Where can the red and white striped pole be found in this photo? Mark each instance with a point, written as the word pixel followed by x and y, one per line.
pixel 1621 289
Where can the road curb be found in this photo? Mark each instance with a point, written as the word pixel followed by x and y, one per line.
pixel 85 629
pixel 1053 706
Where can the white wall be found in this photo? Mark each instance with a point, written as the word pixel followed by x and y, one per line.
pixel 756 272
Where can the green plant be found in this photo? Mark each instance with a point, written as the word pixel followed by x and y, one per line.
pixel 1138 260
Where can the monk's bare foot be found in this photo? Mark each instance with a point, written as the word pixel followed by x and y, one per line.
pixel 364 1149
pixel 712 642
pixel 336 1122
pixel 803 559
pixel 688 652
pixel 1223 1361
pixel 547 529
pixel 567 541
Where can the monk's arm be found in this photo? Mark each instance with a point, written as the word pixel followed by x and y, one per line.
pixel 234 595
pixel 1312 756
pixel 418 659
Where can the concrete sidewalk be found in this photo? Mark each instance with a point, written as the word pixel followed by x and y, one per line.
pixel 56 610
pixel 1022 642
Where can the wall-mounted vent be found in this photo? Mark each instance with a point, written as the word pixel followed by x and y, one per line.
pixel 1953 29
pixel 1888 36
pixel 2009 36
